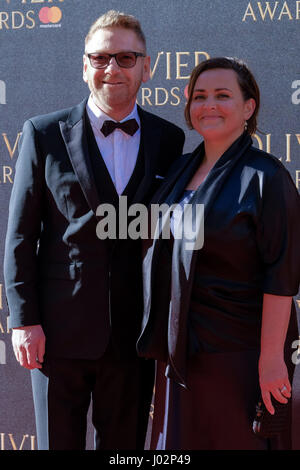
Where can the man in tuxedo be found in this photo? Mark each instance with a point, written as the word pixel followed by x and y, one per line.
pixel 75 300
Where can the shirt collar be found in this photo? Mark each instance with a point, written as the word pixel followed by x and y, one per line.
pixel 97 116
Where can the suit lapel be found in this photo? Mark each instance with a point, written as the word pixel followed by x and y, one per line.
pixel 150 142
pixel 168 193
pixel 74 135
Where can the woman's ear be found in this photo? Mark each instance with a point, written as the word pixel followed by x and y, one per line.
pixel 249 108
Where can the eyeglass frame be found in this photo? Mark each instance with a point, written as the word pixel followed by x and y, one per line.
pixel 110 56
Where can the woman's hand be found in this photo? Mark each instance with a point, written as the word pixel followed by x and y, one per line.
pixel 273 374
pixel 273 380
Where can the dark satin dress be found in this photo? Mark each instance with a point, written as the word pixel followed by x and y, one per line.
pixel 251 247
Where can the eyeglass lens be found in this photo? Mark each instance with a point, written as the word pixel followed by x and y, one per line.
pixel 123 59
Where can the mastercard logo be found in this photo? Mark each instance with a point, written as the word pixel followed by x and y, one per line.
pixel 50 15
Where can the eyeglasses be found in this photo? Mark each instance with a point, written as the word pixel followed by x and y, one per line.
pixel 126 60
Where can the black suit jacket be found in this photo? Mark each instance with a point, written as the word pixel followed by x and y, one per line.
pixel 58 273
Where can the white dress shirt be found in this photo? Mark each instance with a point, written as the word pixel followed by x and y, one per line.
pixel 119 150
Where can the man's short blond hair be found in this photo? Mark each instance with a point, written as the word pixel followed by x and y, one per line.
pixel 113 18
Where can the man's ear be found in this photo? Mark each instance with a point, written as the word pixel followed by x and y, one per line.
pixel 146 69
pixel 84 75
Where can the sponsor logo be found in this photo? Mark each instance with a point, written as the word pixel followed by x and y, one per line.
pixel 37 16
pixel 50 16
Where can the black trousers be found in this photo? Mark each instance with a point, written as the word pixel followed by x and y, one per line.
pixel 120 392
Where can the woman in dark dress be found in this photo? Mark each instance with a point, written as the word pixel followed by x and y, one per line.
pixel 220 320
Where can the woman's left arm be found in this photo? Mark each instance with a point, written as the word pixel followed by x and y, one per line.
pixel 273 374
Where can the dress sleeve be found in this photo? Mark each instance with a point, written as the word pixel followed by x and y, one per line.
pixel 279 235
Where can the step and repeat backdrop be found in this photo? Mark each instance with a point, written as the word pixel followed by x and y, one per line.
pixel 41 48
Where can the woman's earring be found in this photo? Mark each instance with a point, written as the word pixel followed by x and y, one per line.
pixel 246 125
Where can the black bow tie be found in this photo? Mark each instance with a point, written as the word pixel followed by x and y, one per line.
pixel 130 127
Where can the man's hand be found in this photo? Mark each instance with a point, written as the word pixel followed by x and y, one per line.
pixel 29 346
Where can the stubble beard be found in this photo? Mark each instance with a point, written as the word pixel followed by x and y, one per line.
pixel 114 99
